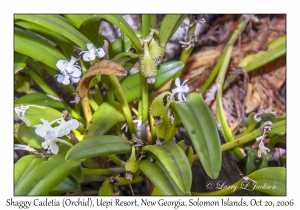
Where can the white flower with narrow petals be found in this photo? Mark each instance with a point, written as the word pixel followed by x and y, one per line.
pixel 180 89
pixel 69 72
pixel 92 52
pixel 45 130
pixel 65 127
pixel 262 149
pixel 50 134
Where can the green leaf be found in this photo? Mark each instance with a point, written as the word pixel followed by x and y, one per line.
pixel 90 28
pixel 22 83
pixel 97 146
pixel 41 99
pixel 201 127
pixel 28 135
pixel 29 168
pixel 117 44
pixel 274 177
pixel 33 46
pixel 21 165
pixel 105 117
pixel 78 19
pixel 54 23
pixel 20 61
pixel 125 27
pixel 158 177
pixel 168 27
pixel 46 175
pixel 66 45
pixel 106 189
pixel 126 59
pixel 278 127
pixel 275 49
pixel 69 184
pixel 176 163
pixel 34 114
pixel 131 85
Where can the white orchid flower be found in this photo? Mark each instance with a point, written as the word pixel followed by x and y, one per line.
pixel 69 72
pixel 92 52
pixel 45 130
pixel 51 134
pixel 180 89
pixel 262 149
pixel 65 127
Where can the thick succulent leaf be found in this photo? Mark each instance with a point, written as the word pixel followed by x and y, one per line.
pixel 69 184
pixel 21 165
pixel 176 163
pixel 105 117
pixel 97 146
pixel 158 177
pixel 20 61
pixel 33 46
pixel 131 85
pixel 46 175
pixel 275 177
pixel 201 127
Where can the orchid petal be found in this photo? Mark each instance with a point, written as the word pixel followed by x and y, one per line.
pixel 73 60
pixel 54 148
pixel 86 56
pixel 177 82
pixel 74 79
pixel 73 124
pixel 179 96
pixel 76 72
pixel 60 64
pixel 100 52
pixel 60 78
pixel 90 47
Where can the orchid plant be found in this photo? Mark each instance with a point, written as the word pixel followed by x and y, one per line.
pixel 118 130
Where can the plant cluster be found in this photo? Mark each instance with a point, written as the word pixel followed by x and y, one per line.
pixel 125 134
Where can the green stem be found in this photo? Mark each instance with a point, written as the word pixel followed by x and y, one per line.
pixel 231 41
pixel 92 102
pixel 242 140
pixel 146 21
pixel 250 128
pixel 145 102
pixel 153 21
pixel 119 92
pixel 221 116
pixel 185 54
pixel 41 83
pixel 98 95
pixel 116 160
pixel 174 127
pixel 103 172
